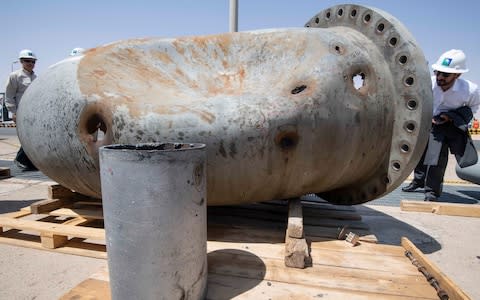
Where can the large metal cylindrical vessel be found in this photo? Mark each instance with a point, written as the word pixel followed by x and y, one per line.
pixel 154 203
pixel 340 108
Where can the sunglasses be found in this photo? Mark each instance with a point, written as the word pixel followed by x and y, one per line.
pixel 442 74
pixel 32 61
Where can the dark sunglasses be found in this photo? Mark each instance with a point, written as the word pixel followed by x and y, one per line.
pixel 443 74
pixel 29 61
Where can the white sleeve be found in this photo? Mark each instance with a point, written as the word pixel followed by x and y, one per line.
pixel 474 100
pixel 10 92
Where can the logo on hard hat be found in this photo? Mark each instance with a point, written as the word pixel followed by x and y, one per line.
pixel 446 62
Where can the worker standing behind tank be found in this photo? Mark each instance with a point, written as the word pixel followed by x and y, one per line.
pixel 17 83
pixel 455 101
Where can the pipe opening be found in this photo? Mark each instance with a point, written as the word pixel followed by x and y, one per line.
pixel 96 127
pixel 299 89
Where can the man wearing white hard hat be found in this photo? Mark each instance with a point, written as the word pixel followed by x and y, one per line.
pixel 455 101
pixel 17 83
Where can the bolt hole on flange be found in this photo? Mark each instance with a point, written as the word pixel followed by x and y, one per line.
pixel 412 104
pixel 328 15
pixel 405 148
pixel 396 166
pixel 380 27
pixel 340 12
pixel 409 81
pixel 393 41
pixel 367 18
pixel 410 127
pixel 402 59
pixel 353 13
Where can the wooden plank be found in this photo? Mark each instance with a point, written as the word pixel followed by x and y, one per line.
pixel 53 228
pixel 95 213
pixel 247 264
pixel 57 191
pixel 233 287
pixel 451 209
pixel 73 246
pixel 296 253
pixel 47 205
pixel 5 173
pixel 347 260
pixel 453 291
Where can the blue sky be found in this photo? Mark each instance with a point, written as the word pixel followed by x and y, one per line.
pixel 52 28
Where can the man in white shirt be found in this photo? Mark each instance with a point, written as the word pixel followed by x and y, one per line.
pixel 17 83
pixel 455 101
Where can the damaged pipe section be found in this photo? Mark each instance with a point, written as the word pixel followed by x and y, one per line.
pixel 340 108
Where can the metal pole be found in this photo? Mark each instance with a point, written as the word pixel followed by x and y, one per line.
pixel 155 214
pixel 14 63
pixel 233 15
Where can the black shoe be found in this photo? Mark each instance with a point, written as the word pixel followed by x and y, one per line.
pixel 411 187
pixel 430 198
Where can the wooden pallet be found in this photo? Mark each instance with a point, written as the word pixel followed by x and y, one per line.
pixel 246 252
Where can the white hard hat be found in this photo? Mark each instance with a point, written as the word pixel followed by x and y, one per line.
pixel 26 53
pixel 452 61
pixel 76 51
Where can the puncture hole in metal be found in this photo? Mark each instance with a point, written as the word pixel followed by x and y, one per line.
pixel 96 127
pixel 358 80
pixel 287 140
pixel 299 89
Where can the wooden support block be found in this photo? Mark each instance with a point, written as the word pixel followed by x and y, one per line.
pixel 295 219
pixel 57 191
pixel 52 241
pixel 5 173
pixel 47 205
pixel 441 208
pixel 297 254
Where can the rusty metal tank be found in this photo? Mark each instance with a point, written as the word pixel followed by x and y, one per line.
pixel 340 107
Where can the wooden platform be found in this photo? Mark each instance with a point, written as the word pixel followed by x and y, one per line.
pixel 246 252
